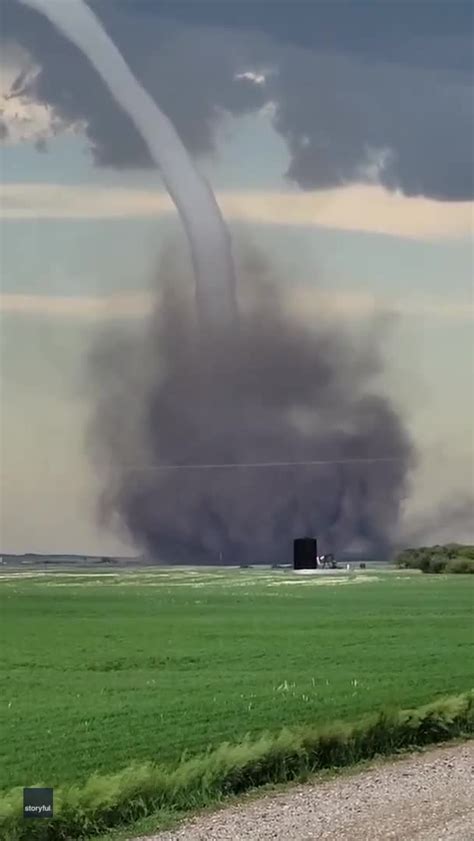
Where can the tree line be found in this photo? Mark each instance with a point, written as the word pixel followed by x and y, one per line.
pixel 451 558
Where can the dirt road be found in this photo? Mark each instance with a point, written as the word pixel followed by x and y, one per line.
pixel 426 797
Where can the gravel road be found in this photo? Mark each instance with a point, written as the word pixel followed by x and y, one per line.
pixel 426 797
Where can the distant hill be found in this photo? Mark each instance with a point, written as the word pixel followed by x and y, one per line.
pixel 35 559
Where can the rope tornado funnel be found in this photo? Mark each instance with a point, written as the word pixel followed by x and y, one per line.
pixel 196 204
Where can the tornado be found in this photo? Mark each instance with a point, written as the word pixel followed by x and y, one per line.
pixel 224 451
pixel 195 202
pixel 224 458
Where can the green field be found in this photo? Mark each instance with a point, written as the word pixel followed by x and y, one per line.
pixel 99 671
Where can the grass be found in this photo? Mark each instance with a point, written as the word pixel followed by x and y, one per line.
pixel 99 672
pixel 110 800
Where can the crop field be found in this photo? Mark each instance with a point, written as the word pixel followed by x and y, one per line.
pixel 100 670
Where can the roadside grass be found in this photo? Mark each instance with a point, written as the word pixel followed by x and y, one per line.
pixel 168 819
pixel 83 811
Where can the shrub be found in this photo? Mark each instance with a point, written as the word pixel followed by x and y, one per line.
pixel 437 564
pixel 461 566
pixel 452 558
pixel 425 563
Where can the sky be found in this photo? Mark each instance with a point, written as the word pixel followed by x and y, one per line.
pixel 338 138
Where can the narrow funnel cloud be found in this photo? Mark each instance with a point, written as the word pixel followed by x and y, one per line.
pixel 206 230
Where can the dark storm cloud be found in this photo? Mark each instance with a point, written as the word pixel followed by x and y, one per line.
pixel 421 122
pixel 434 33
pixel 353 83
pixel 279 391
pixel 189 72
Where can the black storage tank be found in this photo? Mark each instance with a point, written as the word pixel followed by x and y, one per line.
pixel 305 550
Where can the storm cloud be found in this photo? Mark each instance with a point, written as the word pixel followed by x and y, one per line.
pixel 370 94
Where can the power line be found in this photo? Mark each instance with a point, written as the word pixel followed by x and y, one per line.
pixel 263 464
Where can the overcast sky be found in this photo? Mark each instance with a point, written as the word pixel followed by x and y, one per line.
pixel 338 137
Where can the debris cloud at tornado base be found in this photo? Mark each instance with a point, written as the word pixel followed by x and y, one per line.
pixel 281 392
